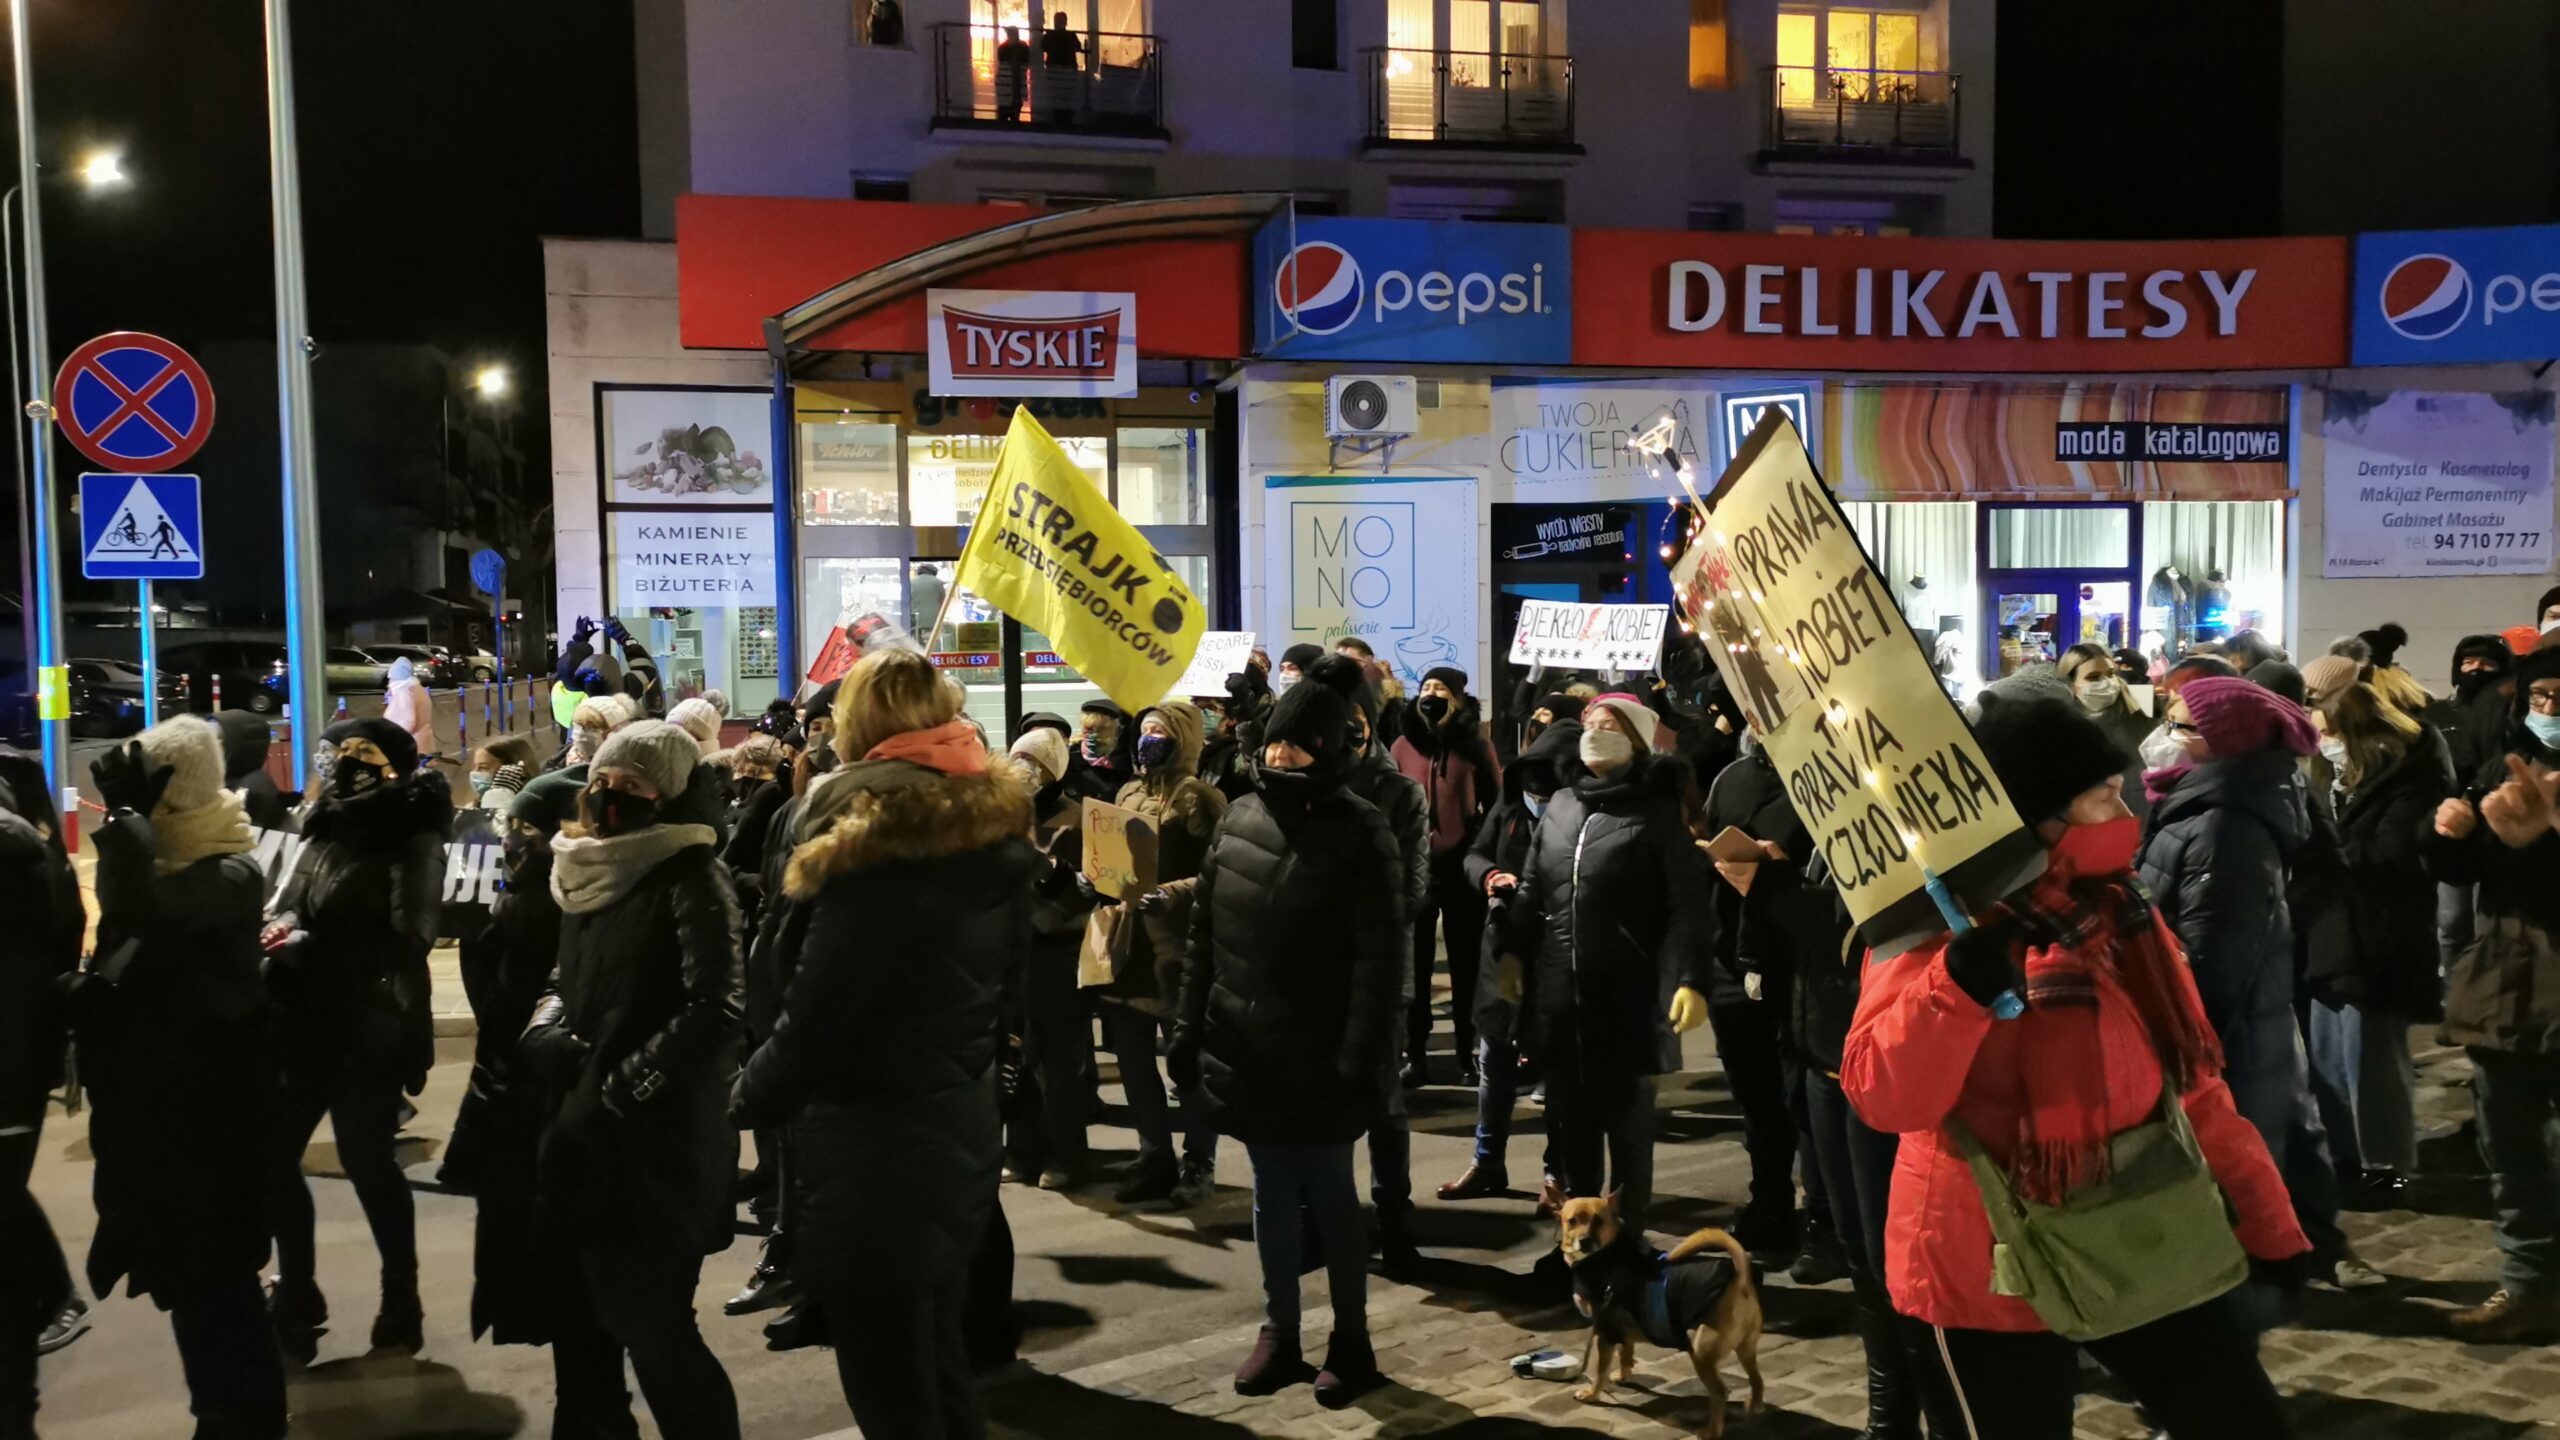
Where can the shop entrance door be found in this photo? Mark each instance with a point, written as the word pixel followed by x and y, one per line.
pixel 2055 576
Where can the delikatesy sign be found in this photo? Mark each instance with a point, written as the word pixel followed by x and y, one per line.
pixel 2453 297
pixel 1032 342
pixel 1327 288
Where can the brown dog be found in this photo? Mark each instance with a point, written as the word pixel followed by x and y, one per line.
pixel 1689 1299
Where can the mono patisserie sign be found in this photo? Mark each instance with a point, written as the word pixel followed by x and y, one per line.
pixel 1858 303
pixel 1032 342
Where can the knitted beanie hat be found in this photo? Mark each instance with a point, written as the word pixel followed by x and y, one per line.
pixel 1046 749
pixel 397 746
pixel 503 789
pixel 700 719
pixel 1634 716
pixel 1304 657
pixel 192 749
pixel 2324 678
pixel 2045 750
pixel 1316 717
pixel 655 751
pixel 1449 675
pixel 2236 717
pixel 2283 678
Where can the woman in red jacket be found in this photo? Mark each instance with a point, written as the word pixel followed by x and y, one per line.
pixel 2112 1015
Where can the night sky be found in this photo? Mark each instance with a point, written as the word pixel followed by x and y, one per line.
pixel 439 142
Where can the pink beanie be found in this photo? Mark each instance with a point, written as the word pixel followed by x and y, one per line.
pixel 2236 717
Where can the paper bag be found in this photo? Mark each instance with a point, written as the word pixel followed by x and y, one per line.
pixel 1108 934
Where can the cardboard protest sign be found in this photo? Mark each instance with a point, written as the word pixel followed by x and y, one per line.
pixel 1575 635
pixel 1119 850
pixel 1222 653
pixel 1877 759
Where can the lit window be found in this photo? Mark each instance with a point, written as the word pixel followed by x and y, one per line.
pixel 1710 59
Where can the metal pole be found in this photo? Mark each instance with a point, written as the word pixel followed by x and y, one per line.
pixel 782 466
pixel 9 298
pixel 43 505
pixel 150 660
pixel 304 636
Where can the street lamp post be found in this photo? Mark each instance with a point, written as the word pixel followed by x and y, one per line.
pixel 304 637
pixel 53 695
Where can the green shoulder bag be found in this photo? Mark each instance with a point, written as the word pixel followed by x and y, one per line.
pixel 2150 1240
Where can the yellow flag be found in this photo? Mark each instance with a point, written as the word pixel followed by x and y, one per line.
pixel 1048 550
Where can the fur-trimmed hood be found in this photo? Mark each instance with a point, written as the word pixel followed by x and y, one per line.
pixel 387 814
pixel 890 810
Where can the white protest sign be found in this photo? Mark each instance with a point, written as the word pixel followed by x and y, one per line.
pixel 1575 635
pixel 1221 654
pixel 1877 760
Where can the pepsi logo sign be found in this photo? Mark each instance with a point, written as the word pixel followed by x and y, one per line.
pixel 2426 297
pixel 1319 288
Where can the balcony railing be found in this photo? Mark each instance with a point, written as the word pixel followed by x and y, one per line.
pixel 1106 84
pixel 1908 115
pixel 1445 97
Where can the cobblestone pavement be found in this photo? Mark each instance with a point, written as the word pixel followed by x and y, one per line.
pixel 1137 1319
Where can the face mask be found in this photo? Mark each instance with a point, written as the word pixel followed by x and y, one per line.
pixel 1434 708
pixel 353 778
pixel 1606 749
pixel 618 812
pixel 2545 728
pixel 1281 682
pixel 2105 849
pixel 2551 624
pixel 2098 696
pixel 1154 750
pixel 2161 750
pixel 1536 805
pixel 589 740
pixel 821 758
pixel 481 780
pixel 2333 750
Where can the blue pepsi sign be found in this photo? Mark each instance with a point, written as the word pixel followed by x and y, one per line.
pixel 1413 290
pixel 2456 297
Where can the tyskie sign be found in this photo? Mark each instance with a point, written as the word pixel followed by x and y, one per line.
pixel 1327 288
pixel 1850 303
pixel 1032 342
pixel 2457 297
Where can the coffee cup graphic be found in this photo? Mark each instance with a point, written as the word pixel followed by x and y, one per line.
pixel 1417 654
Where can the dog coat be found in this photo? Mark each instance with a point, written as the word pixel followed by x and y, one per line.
pixel 1665 1299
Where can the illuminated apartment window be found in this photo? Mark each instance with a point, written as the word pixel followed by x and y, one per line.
pixel 1710 55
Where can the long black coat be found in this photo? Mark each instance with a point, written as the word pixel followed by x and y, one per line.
pixel 1751 796
pixel 1615 911
pixel 2216 856
pixel 1502 841
pixel 1290 982
pixel 2389 961
pixel 178 1061
pixel 367 892
pixel 506 968
pixel 40 897
pixel 652 984
pixel 882 1059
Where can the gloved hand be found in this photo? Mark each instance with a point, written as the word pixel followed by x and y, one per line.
pixel 584 630
pixel 1982 961
pixel 614 631
pixel 1084 884
pixel 1182 1064
pixel 127 780
pixel 555 1053
pixel 1688 1010
pixel 1146 900
pixel 1510 980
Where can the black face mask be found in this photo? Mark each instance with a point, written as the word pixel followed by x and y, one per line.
pixel 353 778
pixel 618 812
pixel 523 851
pixel 1434 708
pixel 820 760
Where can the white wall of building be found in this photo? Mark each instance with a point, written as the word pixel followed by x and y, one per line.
pixel 612 318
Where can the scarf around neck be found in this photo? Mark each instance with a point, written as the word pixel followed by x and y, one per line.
pixel 591 872
pixel 952 747
pixel 219 826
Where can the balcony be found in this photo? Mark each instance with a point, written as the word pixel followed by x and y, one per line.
pixel 1896 117
pixel 1439 99
pixel 1111 84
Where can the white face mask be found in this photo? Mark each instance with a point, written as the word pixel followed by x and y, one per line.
pixel 2551 624
pixel 2334 750
pixel 1281 682
pixel 2162 750
pixel 2098 696
pixel 1606 750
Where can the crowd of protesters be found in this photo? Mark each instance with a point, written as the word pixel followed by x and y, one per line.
pixel 869 940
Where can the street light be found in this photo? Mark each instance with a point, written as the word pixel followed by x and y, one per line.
pixel 492 382
pixel 103 170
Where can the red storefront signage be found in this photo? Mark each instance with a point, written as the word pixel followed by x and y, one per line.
pixel 1032 342
pixel 1674 299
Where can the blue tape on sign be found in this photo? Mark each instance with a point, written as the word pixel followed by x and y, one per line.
pixel 2008 1006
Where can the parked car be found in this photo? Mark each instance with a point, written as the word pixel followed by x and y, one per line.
pixel 351 668
pixel 475 665
pixel 106 699
pixel 252 673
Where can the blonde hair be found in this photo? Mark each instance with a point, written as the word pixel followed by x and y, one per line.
pixel 2376 732
pixel 1582 690
pixel 756 752
pixel 890 693
pixel 2400 690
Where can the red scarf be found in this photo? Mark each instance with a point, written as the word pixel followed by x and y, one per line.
pixel 952 747
pixel 2092 930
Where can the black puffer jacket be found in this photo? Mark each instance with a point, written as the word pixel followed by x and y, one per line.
pixel 1615 910
pixel 2389 962
pixel 366 893
pixel 245 738
pixel 40 896
pixel 1375 779
pixel 1289 984
pixel 2215 856
pixel 1502 841
pixel 1822 1000
pixel 1751 796
pixel 2473 719
pixel 2502 991
pixel 178 1060
pixel 640 1028
pixel 918 895
pixel 506 968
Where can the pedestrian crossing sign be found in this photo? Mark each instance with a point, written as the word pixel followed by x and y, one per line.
pixel 141 527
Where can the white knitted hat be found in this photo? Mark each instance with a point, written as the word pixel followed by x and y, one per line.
pixel 191 747
pixel 654 750
pixel 700 719
pixel 1046 749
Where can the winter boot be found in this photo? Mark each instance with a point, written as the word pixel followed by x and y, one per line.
pixel 1820 1261
pixel 1148 1178
pixel 769 1288
pixel 297 1311
pixel 1198 1181
pixel 399 1327
pixel 1350 1371
pixel 1274 1365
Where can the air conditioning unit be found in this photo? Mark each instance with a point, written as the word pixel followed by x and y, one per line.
pixel 1370 407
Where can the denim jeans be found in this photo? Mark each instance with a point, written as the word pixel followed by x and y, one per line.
pixel 2363 1057
pixel 1315 1178
pixel 2518 1100
pixel 1132 1034
pixel 1391 1151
